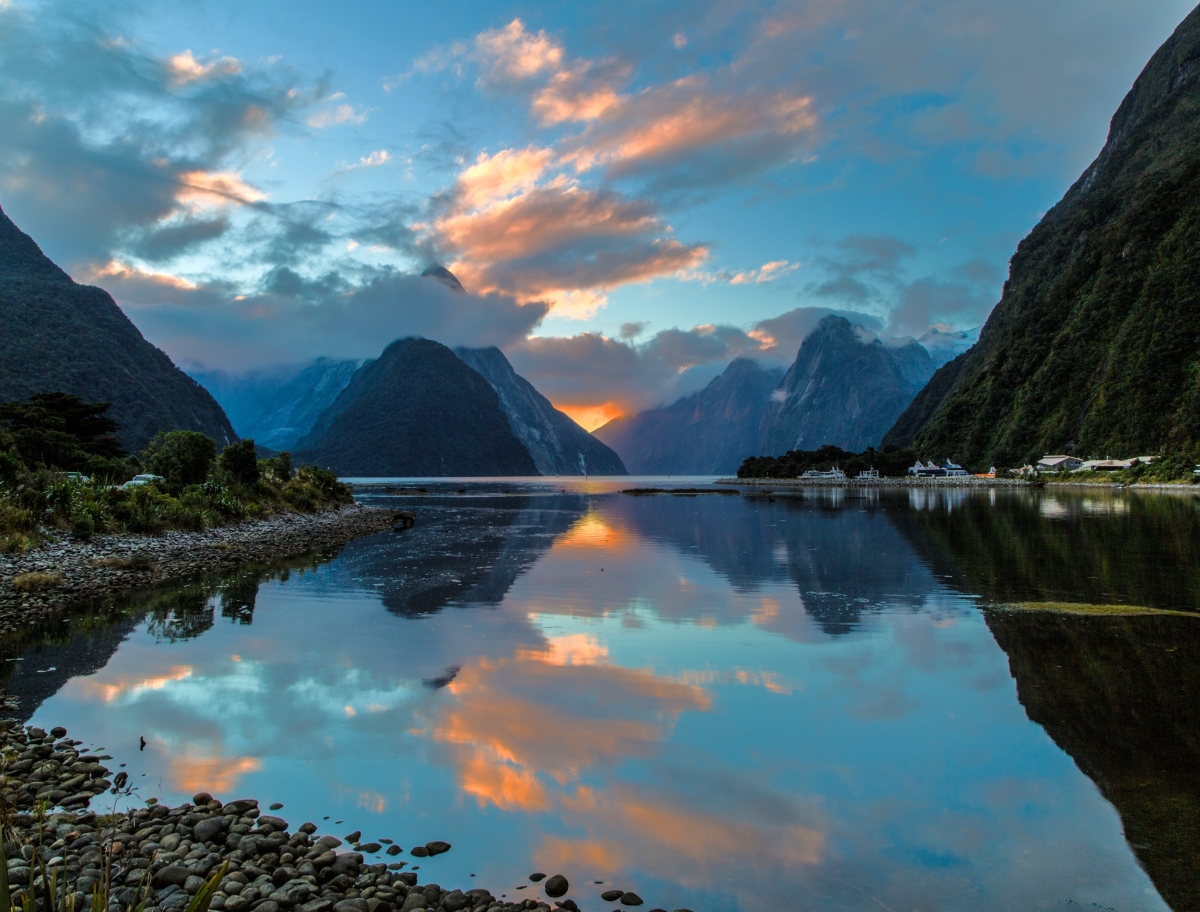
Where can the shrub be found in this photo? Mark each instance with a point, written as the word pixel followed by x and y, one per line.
pixel 181 457
pixel 278 468
pixel 239 462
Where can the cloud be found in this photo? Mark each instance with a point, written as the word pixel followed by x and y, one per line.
pixel 514 223
pixel 294 316
pixel 186 68
pixel 102 142
pixel 335 112
pixel 513 54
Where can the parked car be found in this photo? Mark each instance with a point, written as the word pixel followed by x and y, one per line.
pixel 77 477
pixel 139 480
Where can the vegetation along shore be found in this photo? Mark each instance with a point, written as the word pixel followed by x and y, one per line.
pixel 61 856
pixel 81 520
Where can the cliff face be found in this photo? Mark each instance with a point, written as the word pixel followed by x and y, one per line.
pixel 276 407
pixel 707 433
pixel 557 444
pixel 56 335
pixel 416 411
pixel 842 390
pixel 1094 346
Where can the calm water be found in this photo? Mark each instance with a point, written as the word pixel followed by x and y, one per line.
pixel 721 702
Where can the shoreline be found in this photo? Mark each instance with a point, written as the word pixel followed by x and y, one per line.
pixel 166 854
pixel 69 572
pixel 971 482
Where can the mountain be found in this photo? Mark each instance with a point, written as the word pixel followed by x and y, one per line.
pixel 278 406
pixel 445 276
pixel 417 410
pixel 842 390
pixel 56 335
pixel 1094 348
pixel 944 347
pixel 706 433
pixel 557 444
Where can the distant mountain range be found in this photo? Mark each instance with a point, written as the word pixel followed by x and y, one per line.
pixel 277 406
pixel 417 410
pixel 1094 346
pixel 845 388
pixel 706 433
pixel 56 335
pixel 295 407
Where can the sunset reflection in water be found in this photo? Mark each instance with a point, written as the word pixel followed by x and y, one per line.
pixel 721 703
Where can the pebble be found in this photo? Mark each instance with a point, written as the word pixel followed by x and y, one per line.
pixel 556 886
pixel 268 868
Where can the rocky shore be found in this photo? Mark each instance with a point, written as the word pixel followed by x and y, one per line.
pixel 164 855
pixel 40 584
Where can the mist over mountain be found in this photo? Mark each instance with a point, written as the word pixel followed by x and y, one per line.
pixel 1094 348
pixel 56 335
pixel 278 406
pixel 557 444
pixel 846 388
pixel 944 346
pixel 706 433
pixel 417 410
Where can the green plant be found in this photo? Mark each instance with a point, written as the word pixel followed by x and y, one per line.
pixel 240 463
pixel 183 458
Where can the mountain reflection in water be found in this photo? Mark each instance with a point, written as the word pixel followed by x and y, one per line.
pixel 720 702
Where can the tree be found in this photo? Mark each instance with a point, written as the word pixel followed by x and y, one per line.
pixel 61 431
pixel 181 457
pixel 240 462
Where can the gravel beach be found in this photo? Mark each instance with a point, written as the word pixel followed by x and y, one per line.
pixel 40 584
pixel 271 867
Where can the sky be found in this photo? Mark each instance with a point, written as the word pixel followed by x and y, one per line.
pixel 632 194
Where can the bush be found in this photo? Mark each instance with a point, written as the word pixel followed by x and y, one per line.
pixel 278 468
pixel 239 462
pixel 181 457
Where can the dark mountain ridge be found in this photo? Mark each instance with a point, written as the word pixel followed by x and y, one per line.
pixel 557 444
pixel 706 433
pixel 56 335
pixel 1094 348
pixel 417 410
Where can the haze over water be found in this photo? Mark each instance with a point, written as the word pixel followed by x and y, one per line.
pixel 720 702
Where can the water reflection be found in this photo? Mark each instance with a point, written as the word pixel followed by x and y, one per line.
pixel 721 702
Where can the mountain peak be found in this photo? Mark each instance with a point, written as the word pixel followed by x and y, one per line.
pixel 21 259
pixel 445 276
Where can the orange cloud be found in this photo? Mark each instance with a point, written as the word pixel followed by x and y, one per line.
pixel 668 122
pixel 507 747
pixel 592 531
pixel 683 843
pixel 111 690
pixel 514 54
pixel 119 270
pixel 570 97
pixel 186 68
pixel 590 417
pixel 495 177
pixel 192 771
pixel 216 188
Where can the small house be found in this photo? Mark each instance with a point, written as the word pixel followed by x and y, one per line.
pixel 1059 464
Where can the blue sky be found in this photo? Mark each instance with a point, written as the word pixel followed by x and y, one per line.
pixel 632 193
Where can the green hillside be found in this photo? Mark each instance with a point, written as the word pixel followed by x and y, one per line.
pixel 1094 348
